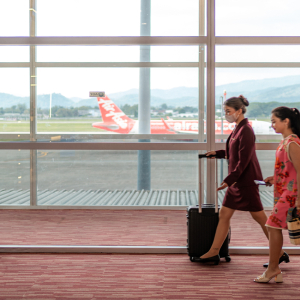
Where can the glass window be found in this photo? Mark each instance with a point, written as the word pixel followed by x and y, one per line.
pixel 14 100
pixel 14 18
pixel 66 91
pixel 175 18
pixel 15 177
pixel 265 89
pixel 274 53
pixel 14 54
pixel 70 177
pixel 116 53
pixel 91 18
pixel 174 95
pixel 116 18
pixel 257 18
pixel 175 53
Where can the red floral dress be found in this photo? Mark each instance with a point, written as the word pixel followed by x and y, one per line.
pixel 285 184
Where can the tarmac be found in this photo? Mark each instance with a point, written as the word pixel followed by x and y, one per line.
pixel 174 177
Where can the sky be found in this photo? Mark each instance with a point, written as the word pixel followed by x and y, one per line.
pixel 122 18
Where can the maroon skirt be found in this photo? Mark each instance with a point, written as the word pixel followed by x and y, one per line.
pixel 245 198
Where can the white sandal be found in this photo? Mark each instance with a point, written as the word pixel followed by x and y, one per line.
pixel 263 279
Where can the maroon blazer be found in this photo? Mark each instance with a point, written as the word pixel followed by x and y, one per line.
pixel 243 166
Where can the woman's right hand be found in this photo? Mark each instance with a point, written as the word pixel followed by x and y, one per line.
pixel 210 153
pixel 269 181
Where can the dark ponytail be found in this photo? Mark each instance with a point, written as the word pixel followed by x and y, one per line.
pixel 237 103
pixel 292 114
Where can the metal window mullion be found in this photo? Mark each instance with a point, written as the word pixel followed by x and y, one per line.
pixel 152 40
pixel 90 136
pixel 102 146
pixel 33 152
pixel 258 146
pixel 257 64
pixel 14 65
pixel 150 64
pixel 117 65
pixel 105 40
pixel 210 115
pixel 201 66
pixel 201 96
pixel 257 40
pixel 121 146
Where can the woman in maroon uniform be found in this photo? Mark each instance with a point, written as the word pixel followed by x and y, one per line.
pixel 243 169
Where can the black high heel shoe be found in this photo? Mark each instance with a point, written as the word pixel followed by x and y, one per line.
pixel 284 257
pixel 215 259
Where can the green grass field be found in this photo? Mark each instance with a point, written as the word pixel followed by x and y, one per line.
pixel 57 125
pixel 51 126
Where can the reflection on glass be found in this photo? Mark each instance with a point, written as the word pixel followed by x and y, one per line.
pixel 15 177
pixel 110 178
pixel 257 18
pixel 14 100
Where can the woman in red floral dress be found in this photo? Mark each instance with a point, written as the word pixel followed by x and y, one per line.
pixel 286 175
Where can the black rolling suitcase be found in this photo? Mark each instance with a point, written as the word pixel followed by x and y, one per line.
pixel 201 227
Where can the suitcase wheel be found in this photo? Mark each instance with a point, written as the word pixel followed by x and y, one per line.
pixel 192 259
pixel 228 258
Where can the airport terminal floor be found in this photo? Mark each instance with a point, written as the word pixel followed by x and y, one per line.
pixel 137 276
pixel 115 228
pixel 130 276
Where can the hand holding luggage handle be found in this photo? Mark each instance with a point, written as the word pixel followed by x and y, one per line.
pixel 200 183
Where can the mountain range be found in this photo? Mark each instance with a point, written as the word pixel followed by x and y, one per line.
pixel 284 90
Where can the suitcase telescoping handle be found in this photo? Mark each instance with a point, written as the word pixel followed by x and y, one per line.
pixel 200 183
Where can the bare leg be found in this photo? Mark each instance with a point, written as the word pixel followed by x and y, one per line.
pixel 275 245
pixel 222 231
pixel 261 218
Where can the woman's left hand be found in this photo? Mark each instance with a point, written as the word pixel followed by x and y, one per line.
pixel 223 186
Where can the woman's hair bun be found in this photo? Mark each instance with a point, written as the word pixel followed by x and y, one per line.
pixel 244 100
pixel 295 110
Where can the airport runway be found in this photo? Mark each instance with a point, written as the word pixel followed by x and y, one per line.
pixel 94 170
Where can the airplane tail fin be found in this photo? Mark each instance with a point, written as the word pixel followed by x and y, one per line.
pixel 167 127
pixel 112 114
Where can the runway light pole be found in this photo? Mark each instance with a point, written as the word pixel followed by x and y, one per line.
pixel 50 105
